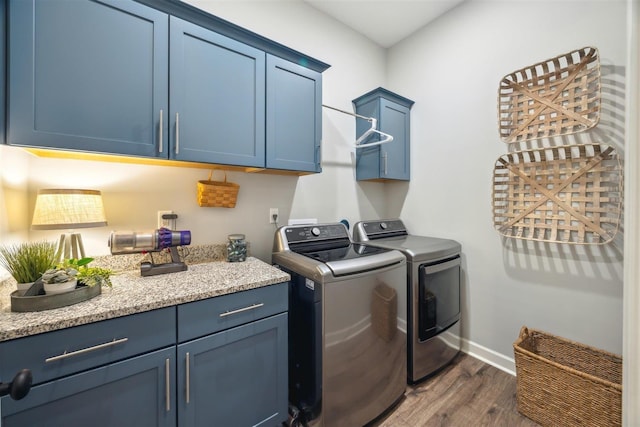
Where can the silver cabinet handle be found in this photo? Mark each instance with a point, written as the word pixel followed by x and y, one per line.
pixel 177 133
pixel 66 355
pixel 240 310
pixel 187 375
pixel 167 385
pixel 318 155
pixel 160 136
pixel 384 158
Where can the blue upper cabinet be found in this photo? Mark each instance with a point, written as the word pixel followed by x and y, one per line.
pixel 389 161
pixel 158 79
pixel 294 120
pixel 88 76
pixel 217 92
pixel 2 69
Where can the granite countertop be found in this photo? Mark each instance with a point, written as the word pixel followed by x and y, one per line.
pixel 132 293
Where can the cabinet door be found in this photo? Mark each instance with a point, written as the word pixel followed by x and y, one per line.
pixel 294 120
pixel 389 161
pixel 237 377
pixel 368 159
pixel 3 27
pixel 394 156
pixel 135 392
pixel 87 75
pixel 217 90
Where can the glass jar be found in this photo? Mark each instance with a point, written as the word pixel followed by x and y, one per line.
pixel 236 248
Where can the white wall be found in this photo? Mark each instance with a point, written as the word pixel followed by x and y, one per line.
pixel 133 193
pixel 631 336
pixel 14 184
pixel 452 69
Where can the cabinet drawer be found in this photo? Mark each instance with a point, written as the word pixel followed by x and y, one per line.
pixel 55 354
pixel 200 318
pixel 132 392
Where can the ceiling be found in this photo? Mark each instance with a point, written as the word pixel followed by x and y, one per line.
pixel 385 22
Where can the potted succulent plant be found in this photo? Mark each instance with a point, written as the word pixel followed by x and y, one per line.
pixel 27 261
pixel 72 272
pixel 60 279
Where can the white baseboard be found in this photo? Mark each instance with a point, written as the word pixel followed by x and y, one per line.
pixel 493 358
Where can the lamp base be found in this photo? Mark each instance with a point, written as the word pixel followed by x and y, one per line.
pixel 70 246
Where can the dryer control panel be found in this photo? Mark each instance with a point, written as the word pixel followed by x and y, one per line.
pixel 370 230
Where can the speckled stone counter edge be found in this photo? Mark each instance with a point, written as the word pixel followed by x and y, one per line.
pixel 208 276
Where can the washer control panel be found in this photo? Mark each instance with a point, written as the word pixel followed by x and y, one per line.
pixel 316 232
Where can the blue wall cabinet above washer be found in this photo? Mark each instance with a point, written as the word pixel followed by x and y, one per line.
pixel 87 75
pixel 390 161
pixel 294 116
pixel 217 92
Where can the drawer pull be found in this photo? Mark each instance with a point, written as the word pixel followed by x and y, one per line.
pixel 188 374
pixel 66 355
pixel 240 310
pixel 167 384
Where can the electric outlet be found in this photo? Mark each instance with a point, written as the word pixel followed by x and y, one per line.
pixel 273 215
pixel 165 223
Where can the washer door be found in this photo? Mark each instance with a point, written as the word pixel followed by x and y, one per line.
pixel 364 347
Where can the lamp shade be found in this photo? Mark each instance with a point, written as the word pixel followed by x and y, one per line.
pixel 58 209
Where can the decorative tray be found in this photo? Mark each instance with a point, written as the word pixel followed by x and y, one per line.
pixel 569 194
pixel 559 96
pixel 36 300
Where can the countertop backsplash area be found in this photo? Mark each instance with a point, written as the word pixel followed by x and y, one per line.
pixel 196 254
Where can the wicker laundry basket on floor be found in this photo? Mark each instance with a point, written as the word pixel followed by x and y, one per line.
pixel 565 383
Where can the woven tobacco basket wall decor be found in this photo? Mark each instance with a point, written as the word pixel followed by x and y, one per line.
pixel 570 194
pixel 559 96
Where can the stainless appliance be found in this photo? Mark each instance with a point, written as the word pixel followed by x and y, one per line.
pixel 433 283
pixel 347 324
pixel 129 242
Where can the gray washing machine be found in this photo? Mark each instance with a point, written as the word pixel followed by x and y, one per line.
pixel 433 293
pixel 347 324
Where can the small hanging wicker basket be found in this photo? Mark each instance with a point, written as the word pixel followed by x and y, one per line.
pixel 217 194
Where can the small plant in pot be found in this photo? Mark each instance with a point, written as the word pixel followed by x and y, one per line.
pixel 92 276
pixel 60 279
pixel 71 272
pixel 27 261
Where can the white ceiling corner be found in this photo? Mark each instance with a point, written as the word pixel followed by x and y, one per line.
pixel 385 22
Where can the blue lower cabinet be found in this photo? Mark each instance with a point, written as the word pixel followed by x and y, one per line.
pixel 237 377
pixel 226 367
pixel 135 392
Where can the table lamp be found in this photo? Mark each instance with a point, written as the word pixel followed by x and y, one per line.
pixel 68 209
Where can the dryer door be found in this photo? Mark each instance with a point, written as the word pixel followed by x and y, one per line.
pixel 439 296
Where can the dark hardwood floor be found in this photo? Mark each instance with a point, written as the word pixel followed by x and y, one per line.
pixel 467 393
